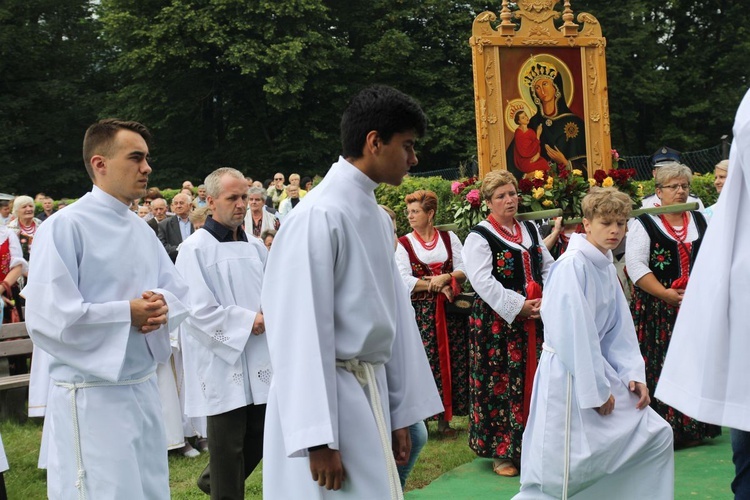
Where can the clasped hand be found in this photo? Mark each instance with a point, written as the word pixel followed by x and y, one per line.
pixel 437 283
pixel 148 313
pixel 531 309
pixel 673 296
pixel 259 325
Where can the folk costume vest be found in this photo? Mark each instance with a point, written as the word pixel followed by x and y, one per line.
pixel 507 265
pixel 419 269
pixel 665 253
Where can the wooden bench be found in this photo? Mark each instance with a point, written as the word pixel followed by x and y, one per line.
pixel 14 341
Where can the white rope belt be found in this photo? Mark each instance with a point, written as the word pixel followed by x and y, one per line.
pixel 365 375
pixel 73 388
pixel 568 404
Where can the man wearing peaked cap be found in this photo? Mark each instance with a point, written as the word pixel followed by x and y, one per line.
pixel 665 156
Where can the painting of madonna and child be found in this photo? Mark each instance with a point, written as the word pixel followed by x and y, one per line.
pixel 542 109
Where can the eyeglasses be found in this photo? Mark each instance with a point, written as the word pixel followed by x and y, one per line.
pixel 675 187
pixel 278 178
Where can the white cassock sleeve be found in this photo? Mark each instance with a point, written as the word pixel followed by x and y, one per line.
pixel 224 330
pixel 620 345
pixel 412 393
pixel 159 341
pixel 90 337
pixel 570 328
pixel 302 342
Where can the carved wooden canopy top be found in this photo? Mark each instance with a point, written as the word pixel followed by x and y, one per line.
pixel 537 18
pixel 538 30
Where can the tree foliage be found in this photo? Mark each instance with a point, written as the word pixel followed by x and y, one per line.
pixel 49 86
pixel 260 85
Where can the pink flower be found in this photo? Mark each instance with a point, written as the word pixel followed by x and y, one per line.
pixel 473 198
pixel 456 187
pixel 615 154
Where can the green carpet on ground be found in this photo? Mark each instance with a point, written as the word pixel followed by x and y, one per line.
pixel 702 473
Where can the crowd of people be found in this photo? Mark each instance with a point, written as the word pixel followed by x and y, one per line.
pixel 189 334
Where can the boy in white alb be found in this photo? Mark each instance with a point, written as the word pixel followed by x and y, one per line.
pixel 591 433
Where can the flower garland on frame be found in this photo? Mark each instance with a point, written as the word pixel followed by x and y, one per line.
pixel 621 178
pixel 559 187
pixel 467 206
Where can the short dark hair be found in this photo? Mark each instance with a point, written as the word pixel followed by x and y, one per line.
pixel 381 108
pixel 100 137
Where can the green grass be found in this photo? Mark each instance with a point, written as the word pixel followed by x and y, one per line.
pixel 25 481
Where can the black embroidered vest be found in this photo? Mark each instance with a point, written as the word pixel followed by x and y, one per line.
pixel 507 262
pixel 664 255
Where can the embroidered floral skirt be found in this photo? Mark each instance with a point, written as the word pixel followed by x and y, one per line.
pixel 459 352
pixel 654 320
pixel 497 364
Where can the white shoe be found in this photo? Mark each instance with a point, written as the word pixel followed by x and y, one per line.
pixel 188 451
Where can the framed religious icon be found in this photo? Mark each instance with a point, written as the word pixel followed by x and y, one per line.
pixel 540 91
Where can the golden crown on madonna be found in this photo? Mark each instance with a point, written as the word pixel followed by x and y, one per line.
pixel 539 70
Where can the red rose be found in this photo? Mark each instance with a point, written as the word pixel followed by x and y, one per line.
pixel 518 417
pixel 476 417
pixel 507 255
pixel 480 443
pixel 537 183
pixel 515 355
pixel 599 176
pixel 495 327
pixel 501 262
pixel 471 320
pixel 660 258
pixel 564 173
pixel 478 323
pixel 501 449
pixel 507 272
pixel 491 352
pixel 494 413
pixel 498 389
pixel 525 186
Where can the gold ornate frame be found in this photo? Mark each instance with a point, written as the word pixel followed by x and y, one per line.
pixel 492 48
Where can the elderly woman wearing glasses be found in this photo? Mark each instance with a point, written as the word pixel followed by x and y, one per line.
pixel 660 253
pixel 431 265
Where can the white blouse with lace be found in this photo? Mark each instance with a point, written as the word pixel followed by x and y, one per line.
pixel 477 257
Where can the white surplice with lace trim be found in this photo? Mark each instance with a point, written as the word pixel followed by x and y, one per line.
pixel 226 367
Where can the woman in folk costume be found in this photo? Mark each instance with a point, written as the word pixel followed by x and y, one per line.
pixel 659 255
pixel 25 224
pixel 12 266
pixel 431 265
pixel 506 263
